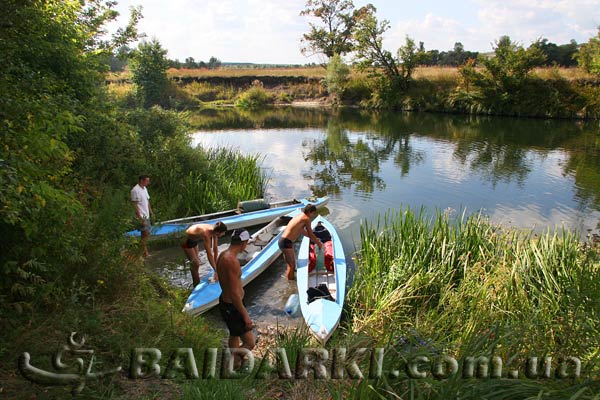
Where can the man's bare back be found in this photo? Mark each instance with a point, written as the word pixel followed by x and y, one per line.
pixel 297 225
pixel 228 268
pixel 209 236
pixel 199 231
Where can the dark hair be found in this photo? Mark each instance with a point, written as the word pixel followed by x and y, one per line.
pixel 220 227
pixel 142 177
pixel 310 209
pixel 239 235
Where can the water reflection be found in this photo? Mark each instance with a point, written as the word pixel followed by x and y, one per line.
pixel 524 171
pixel 337 163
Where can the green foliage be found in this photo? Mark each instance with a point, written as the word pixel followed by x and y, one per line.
pixel 254 97
pixel 336 77
pixel 50 90
pixel 206 92
pixel 589 55
pixel 511 63
pixel 409 58
pixel 369 44
pixel 506 86
pixel 356 90
pixel 463 287
pixel 393 75
pixel 335 34
pixel 149 73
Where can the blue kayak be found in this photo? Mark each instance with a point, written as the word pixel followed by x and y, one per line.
pixel 234 218
pixel 260 252
pixel 322 314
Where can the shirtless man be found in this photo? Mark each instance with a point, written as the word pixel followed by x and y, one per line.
pixel 299 224
pixel 231 301
pixel 207 234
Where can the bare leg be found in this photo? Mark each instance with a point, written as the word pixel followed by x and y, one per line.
pixel 192 255
pixel 145 234
pixel 248 342
pixel 290 259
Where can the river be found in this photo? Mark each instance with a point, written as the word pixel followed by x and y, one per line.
pixel 523 173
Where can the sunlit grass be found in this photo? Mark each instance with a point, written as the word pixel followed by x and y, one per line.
pixel 462 286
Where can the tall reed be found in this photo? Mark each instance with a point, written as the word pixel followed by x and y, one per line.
pixel 464 287
pixel 230 177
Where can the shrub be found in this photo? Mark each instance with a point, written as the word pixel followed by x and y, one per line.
pixel 254 97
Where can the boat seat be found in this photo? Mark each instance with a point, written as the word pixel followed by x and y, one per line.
pixel 260 242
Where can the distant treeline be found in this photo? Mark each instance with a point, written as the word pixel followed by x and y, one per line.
pixel 559 55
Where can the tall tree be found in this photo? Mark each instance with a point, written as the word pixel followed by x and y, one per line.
pixel 52 57
pixel 336 77
pixel 213 63
pixel 334 34
pixel 589 55
pixel 149 73
pixel 369 43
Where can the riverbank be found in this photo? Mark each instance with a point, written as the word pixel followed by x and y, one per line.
pixel 547 93
pixel 428 286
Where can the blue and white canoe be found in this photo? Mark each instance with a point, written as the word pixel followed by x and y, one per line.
pixel 236 218
pixel 322 316
pixel 260 252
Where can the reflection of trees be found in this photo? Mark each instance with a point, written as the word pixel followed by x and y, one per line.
pixel 495 162
pixel 406 155
pixel 584 166
pixel 358 142
pixel 338 163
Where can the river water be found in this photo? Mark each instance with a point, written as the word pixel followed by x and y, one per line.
pixel 525 173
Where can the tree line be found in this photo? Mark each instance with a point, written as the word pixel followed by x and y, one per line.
pixel 345 30
pixel 118 60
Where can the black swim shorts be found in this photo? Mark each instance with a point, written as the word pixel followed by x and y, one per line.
pixel 190 244
pixel 285 243
pixel 233 318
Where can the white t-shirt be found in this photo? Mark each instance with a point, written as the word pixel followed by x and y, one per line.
pixel 140 196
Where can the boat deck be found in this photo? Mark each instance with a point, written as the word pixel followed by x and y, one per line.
pixel 321 275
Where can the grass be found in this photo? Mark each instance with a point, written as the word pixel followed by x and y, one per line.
pixel 427 285
pixel 319 72
pixel 550 93
pixel 148 314
pixel 431 285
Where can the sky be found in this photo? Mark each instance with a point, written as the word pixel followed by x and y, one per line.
pixel 269 31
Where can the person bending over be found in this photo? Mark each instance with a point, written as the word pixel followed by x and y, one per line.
pixel 299 224
pixel 209 236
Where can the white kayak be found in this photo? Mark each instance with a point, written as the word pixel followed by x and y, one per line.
pixel 322 315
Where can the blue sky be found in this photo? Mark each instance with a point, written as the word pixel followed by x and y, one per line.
pixel 269 31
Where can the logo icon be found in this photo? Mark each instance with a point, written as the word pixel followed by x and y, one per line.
pixel 75 374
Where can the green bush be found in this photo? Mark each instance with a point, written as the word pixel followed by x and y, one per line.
pixel 255 97
pixel 356 91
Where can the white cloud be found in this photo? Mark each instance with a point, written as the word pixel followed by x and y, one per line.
pixel 525 21
pixel 269 31
pixel 435 32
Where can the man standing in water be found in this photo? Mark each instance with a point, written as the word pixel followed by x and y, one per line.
pixel 231 302
pixel 299 224
pixel 209 235
pixel 141 203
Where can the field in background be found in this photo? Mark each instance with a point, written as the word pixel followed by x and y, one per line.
pixel 319 72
